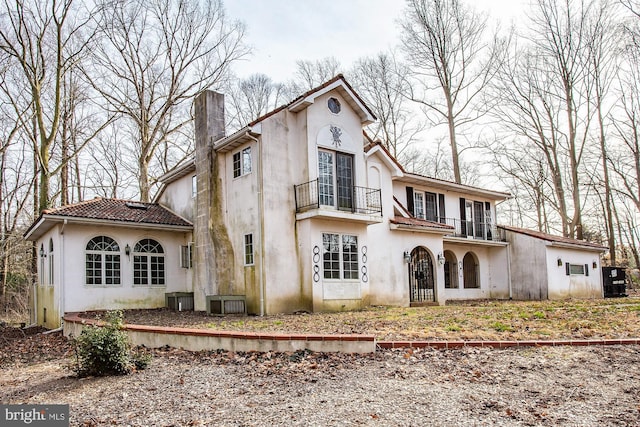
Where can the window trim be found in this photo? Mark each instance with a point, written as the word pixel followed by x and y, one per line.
pixel 249 252
pixel 418 204
pixel 117 259
pixel 161 260
pixel 341 261
pixel 242 162
pixel 51 263
pixel 573 267
pixel 186 256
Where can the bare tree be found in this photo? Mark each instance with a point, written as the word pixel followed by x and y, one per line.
pixel 381 81
pixel 445 44
pixel 251 98
pixel 603 41
pixel 43 40
pixel 310 74
pixel 156 57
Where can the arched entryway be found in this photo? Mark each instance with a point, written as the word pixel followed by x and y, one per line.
pixel 450 270
pixel 470 271
pixel 421 276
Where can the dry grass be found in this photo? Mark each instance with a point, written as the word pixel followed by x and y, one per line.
pixel 486 320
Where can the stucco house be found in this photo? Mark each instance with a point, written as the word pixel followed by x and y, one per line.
pixel 107 254
pixel 301 211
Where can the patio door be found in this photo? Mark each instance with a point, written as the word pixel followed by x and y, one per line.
pixel 421 276
pixel 344 176
pixel 335 180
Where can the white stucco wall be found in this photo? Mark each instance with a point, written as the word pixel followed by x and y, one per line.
pixel 561 285
pixel 47 289
pixel 77 296
pixel 178 196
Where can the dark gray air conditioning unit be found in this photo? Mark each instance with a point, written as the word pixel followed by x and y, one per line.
pixel 179 301
pixel 226 304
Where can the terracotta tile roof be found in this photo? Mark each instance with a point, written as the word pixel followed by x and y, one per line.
pixel 417 222
pixel 553 238
pixel 120 210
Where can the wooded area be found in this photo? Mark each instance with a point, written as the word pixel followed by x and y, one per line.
pixel 95 100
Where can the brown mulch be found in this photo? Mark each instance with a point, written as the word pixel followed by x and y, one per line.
pixel 471 320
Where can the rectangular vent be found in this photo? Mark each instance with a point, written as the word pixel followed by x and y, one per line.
pixel 179 301
pixel 226 304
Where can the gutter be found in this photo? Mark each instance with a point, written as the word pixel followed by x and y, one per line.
pixel 62 284
pixel 260 195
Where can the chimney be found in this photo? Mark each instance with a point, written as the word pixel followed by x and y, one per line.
pixel 209 127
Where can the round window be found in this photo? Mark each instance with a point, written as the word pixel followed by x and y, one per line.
pixel 334 105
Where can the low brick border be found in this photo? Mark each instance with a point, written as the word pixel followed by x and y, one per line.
pixel 206 339
pixel 505 344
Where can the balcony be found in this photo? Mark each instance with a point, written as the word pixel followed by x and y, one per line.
pixel 347 203
pixel 475 230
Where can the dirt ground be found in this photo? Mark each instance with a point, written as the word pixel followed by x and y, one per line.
pixel 548 386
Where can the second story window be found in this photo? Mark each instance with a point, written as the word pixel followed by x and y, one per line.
pixel 242 162
pixel 335 179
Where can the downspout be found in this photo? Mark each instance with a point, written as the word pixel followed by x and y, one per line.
pixel 260 223
pixel 61 269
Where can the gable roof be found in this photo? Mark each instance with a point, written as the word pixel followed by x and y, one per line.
pixel 556 240
pixel 114 212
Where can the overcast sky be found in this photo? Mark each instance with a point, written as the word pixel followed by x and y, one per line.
pixel 284 31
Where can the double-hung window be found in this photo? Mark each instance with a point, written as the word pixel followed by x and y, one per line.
pixel 242 162
pixel 248 249
pixel 340 256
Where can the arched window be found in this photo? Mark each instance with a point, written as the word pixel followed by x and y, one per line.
pixel 102 261
pixel 470 271
pixel 148 263
pixel 51 265
pixel 450 270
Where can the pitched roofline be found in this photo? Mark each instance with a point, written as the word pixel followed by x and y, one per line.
pixel 376 146
pixel 312 91
pixel 463 188
pixel 53 216
pixel 557 241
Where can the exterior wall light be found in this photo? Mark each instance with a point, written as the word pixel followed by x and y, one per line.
pixel 559 262
pixel 127 250
pixel 41 252
pixel 441 258
pixel 594 265
pixel 407 257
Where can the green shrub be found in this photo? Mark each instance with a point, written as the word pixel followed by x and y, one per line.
pixel 106 350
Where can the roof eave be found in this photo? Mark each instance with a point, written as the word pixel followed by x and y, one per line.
pixel 577 246
pixel 453 186
pixel 242 136
pixel 37 230
pixel 366 117
pixel 420 229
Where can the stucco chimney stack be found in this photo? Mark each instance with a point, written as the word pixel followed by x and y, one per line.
pixel 209 127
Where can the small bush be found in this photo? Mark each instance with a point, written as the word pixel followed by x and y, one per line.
pixel 106 350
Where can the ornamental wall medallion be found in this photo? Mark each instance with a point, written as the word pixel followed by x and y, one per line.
pixel 336 133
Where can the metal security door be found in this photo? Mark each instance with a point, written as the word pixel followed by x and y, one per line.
pixel 421 278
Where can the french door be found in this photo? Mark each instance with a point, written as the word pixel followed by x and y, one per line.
pixel 335 180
